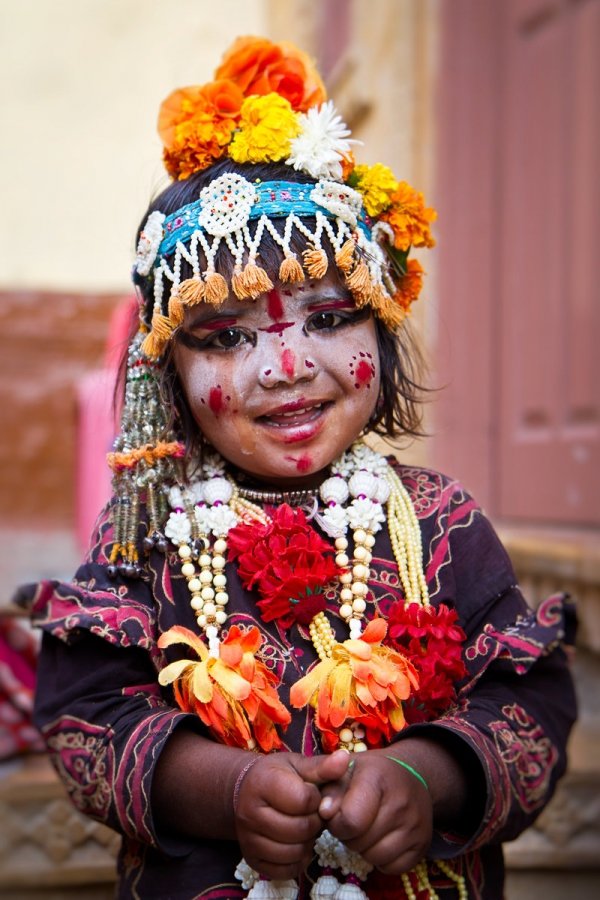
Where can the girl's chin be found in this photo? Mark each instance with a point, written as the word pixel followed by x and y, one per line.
pixel 297 471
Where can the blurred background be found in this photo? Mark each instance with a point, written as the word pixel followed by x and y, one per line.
pixel 490 107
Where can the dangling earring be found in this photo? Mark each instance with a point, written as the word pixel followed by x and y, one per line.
pixel 143 462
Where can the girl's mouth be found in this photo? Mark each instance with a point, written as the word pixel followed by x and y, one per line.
pixel 298 424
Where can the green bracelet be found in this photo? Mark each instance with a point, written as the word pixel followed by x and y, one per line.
pixel 410 769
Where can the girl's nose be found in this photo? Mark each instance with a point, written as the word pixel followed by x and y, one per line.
pixel 287 367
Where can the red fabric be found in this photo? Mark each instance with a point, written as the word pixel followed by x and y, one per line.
pixel 18 657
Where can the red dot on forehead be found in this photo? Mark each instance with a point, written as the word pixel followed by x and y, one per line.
pixel 274 304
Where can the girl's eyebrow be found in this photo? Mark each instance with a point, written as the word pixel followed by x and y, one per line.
pixel 214 322
pixel 331 303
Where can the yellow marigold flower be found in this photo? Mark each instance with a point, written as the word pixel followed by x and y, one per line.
pixel 410 218
pixel 410 285
pixel 376 184
pixel 266 128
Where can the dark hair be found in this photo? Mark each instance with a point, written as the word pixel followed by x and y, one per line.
pixel 398 410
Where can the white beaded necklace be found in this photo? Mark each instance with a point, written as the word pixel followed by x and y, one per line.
pixel 361 483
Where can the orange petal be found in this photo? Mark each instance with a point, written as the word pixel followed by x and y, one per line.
pixel 375 631
pixel 180 635
pixel 302 691
pixel 174 670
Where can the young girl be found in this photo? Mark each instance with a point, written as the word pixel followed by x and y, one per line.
pixel 290 666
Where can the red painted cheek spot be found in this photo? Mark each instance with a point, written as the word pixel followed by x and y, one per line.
pixel 309 364
pixel 288 363
pixel 274 305
pixel 362 370
pixel 217 403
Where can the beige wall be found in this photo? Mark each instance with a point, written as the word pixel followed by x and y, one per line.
pixel 79 159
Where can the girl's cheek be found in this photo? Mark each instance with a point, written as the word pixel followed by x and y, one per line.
pixel 362 370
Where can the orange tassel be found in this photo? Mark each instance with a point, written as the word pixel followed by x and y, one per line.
pixel 254 281
pixel 344 258
pixel 359 284
pixel 155 342
pixel 176 310
pixel 237 284
pixel 290 271
pixel 191 291
pixel 215 290
pixel 315 262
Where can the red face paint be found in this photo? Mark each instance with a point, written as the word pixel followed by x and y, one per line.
pixel 277 327
pixel 216 402
pixel 309 364
pixel 303 463
pixel 274 305
pixel 288 363
pixel 363 371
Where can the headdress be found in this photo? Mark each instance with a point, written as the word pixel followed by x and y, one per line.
pixel 267 104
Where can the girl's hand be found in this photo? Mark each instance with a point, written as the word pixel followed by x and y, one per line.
pixel 382 811
pixel 277 814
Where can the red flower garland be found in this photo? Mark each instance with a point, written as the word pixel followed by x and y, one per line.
pixel 430 637
pixel 287 562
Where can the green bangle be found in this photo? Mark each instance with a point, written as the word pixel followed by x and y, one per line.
pixel 410 769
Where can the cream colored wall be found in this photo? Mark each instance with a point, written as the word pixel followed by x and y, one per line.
pixel 80 159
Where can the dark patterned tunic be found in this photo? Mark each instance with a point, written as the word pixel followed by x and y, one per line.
pixel 105 718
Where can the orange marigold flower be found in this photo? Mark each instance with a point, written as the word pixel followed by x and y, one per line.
pixel 410 218
pixel 363 681
pixel 195 125
pixel 260 66
pixel 410 285
pixel 234 695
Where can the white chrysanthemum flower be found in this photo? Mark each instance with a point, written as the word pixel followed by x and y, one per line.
pixel 178 528
pixel 221 519
pixel 202 516
pixel 176 497
pixel 246 874
pixel 334 521
pixel 366 514
pixel 321 144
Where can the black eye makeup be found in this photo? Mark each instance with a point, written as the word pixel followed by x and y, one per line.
pixel 228 338
pixel 332 319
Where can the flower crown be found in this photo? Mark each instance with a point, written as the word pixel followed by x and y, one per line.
pixel 268 104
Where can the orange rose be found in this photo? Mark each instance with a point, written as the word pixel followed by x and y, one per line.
pixel 258 66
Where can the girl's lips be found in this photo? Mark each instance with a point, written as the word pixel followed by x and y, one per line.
pixel 296 425
pixel 294 418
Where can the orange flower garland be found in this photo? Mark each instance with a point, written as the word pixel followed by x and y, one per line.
pixel 234 695
pixel 363 682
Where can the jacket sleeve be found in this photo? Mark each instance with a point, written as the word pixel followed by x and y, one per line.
pixel 516 706
pixel 98 703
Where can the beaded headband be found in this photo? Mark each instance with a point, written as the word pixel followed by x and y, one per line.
pixel 221 217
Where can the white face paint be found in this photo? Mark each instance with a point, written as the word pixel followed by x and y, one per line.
pixel 283 385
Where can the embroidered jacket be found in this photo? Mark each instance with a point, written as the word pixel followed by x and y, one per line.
pixel 106 720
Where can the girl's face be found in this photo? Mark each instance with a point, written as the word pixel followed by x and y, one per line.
pixel 283 385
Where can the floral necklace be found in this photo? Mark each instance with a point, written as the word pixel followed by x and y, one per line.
pixel 282 557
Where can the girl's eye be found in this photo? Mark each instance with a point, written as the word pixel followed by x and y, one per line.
pixel 228 338
pixel 223 339
pixel 325 321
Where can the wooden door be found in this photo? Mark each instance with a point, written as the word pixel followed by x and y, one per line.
pixel 520 216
